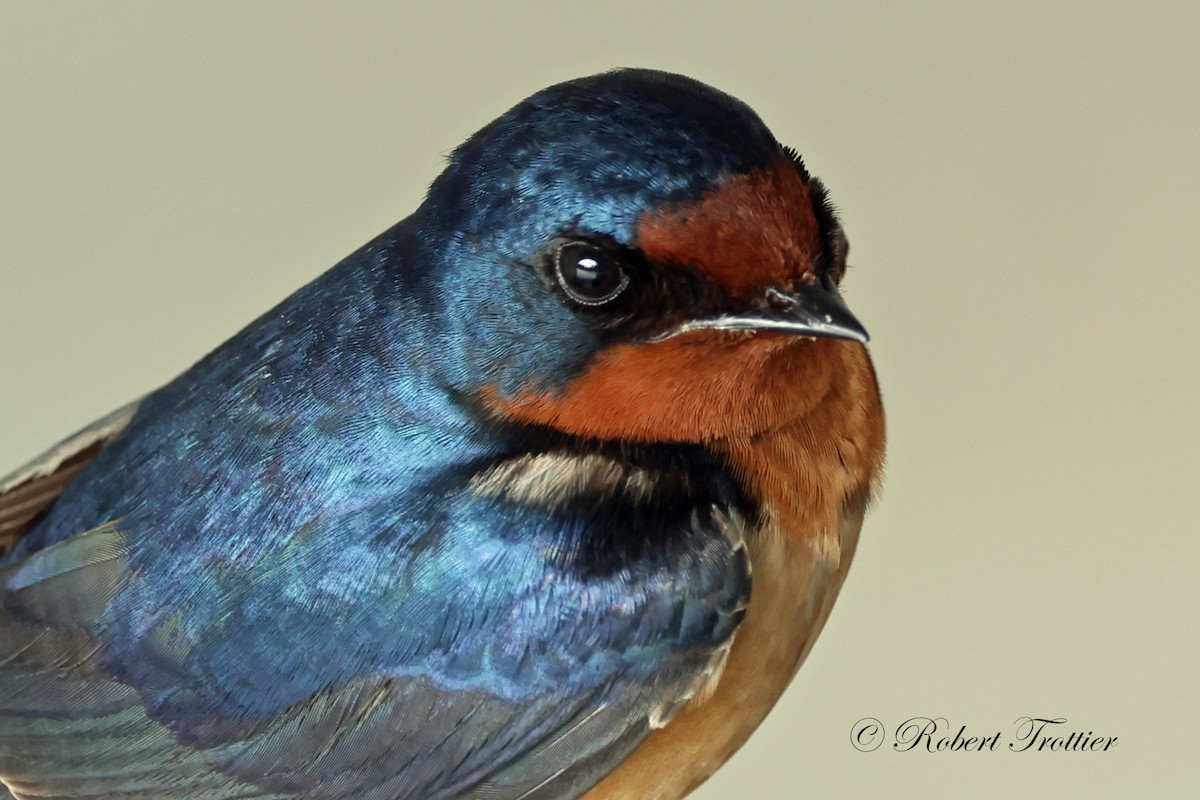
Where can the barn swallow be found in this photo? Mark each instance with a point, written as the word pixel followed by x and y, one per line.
pixel 473 514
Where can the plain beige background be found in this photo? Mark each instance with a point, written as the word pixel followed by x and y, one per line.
pixel 1019 185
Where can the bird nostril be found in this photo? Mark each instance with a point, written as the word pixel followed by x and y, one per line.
pixel 779 301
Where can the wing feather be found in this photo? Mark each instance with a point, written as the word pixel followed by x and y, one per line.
pixel 495 649
pixel 27 491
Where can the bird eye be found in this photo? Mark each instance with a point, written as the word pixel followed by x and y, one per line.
pixel 589 275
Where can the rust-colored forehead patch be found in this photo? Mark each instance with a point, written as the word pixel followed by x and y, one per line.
pixel 754 230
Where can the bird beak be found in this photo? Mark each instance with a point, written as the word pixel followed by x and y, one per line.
pixel 815 309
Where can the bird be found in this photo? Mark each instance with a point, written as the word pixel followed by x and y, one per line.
pixel 544 492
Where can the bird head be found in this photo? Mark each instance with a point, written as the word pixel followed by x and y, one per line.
pixel 633 255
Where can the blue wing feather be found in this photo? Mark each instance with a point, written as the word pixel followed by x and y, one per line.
pixel 435 644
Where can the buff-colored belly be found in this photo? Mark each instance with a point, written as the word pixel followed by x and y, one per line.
pixel 793 591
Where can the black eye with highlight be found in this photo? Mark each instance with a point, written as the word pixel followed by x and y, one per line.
pixel 588 274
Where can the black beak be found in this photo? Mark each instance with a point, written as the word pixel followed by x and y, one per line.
pixel 815 309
